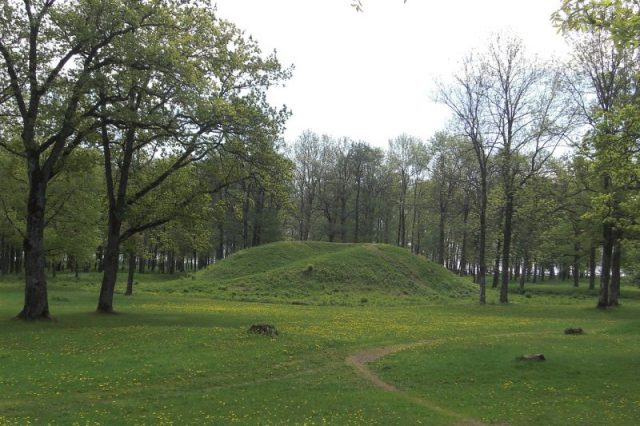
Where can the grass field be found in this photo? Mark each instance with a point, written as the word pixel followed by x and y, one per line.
pixel 173 357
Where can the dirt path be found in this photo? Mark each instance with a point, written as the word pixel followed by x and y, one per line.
pixel 360 360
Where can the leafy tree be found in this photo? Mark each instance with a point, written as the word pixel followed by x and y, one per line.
pixel 408 158
pixel 50 52
pixel 605 58
pixel 181 105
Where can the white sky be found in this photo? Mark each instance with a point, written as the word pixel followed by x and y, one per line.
pixel 370 76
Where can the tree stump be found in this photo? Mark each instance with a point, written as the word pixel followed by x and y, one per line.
pixel 265 329
pixel 573 330
pixel 531 357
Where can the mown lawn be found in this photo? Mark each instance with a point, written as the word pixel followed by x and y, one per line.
pixel 173 359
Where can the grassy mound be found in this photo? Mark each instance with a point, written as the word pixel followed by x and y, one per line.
pixel 328 273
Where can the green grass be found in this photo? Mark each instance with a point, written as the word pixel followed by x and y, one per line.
pixel 324 274
pixel 186 358
pixel 588 379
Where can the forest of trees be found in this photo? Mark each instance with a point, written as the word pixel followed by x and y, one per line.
pixel 137 136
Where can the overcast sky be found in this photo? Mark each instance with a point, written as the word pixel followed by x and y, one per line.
pixel 370 76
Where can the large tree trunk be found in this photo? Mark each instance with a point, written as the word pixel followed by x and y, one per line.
pixel 117 207
pixel 110 265
pixel 506 248
pixel 36 302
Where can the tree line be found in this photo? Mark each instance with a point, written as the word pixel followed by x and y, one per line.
pixel 142 138
pixel 536 176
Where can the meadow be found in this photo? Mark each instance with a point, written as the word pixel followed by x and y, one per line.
pixel 175 357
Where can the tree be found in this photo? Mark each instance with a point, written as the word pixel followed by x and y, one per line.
pixel 179 93
pixel 446 177
pixel 606 47
pixel 307 158
pixel 529 116
pixel 466 99
pixel 50 50
pixel 408 158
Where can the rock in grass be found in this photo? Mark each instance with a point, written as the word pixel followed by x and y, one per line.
pixel 531 357
pixel 573 330
pixel 266 329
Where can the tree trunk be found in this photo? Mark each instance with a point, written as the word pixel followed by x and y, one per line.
pixel 256 238
pixel 592 268
pixel 36 302
pixel 525 270
pixel 506 248
pixel 463 249
pixel 608 240
pixel 130 272
pixel 496 266
pixel 117 207
pixel 615 273
pixel 401 231
pixel 605 275
pixel 482 263
pixel 441 224
pixel 415 218
pixel 356 233
pixel 172 262
pixel 245 217
pixel 576 264
pixel 3 256
pixel 110 264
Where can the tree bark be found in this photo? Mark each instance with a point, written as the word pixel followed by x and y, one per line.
pixel 615 273
pixel 130 273
pixel 3 256
pixel 576 263
pixel 496 266
pixel 463 249
pixel 36 302
pixel 110 264
pixel 482 263
pixel 592 268
pixel 525 270
pixel 506 248
pixel 441 224
pixel 117 208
